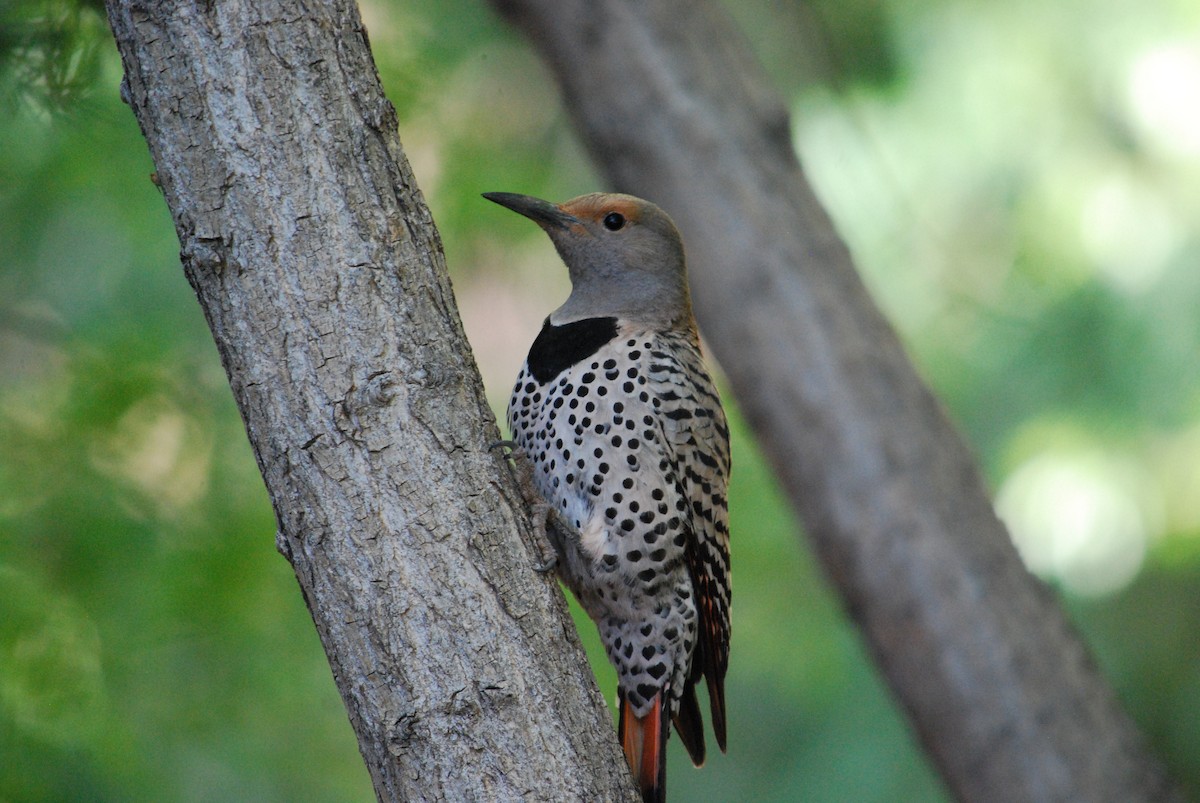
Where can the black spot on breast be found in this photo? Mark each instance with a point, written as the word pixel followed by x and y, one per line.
pixel 557 348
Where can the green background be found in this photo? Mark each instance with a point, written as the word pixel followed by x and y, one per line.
pixel 1020 183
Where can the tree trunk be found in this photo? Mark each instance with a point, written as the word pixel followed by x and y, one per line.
pixel 320 272
pixel 997 684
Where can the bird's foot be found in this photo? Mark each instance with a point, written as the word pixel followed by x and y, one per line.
pixel 508 448
pixel 518 458
pixel 543 515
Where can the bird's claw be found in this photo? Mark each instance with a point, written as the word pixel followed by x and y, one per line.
pixel 542 514
pixel 508 448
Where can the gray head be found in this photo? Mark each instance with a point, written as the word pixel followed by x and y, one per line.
pixel 624 256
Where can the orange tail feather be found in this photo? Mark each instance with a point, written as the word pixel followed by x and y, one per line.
pixel 644 740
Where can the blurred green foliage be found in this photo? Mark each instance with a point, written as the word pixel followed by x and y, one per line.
pixel 1020 183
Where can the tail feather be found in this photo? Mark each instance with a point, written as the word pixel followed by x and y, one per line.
pixel 716 699
pixel 644 740
pixel 690 725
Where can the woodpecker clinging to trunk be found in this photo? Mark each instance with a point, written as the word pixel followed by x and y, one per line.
pixel 629 443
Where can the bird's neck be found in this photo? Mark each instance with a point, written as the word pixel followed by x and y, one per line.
pixel 644 303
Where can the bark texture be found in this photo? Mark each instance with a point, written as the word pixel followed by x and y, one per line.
pixel 1001 690
pixel 320 272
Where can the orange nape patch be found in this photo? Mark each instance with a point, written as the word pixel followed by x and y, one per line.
pixel 594 206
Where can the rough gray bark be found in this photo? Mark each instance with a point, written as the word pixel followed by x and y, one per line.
pixel 320 272
pixel 997 684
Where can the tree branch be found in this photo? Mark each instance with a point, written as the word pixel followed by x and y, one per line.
pixel 321 275
pixel 998 685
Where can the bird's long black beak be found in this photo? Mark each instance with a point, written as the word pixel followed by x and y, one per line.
pixel 541 212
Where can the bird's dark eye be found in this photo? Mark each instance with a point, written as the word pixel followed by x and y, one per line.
pixel 614 221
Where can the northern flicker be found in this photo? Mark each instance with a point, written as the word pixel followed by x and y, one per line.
pixel 628 442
